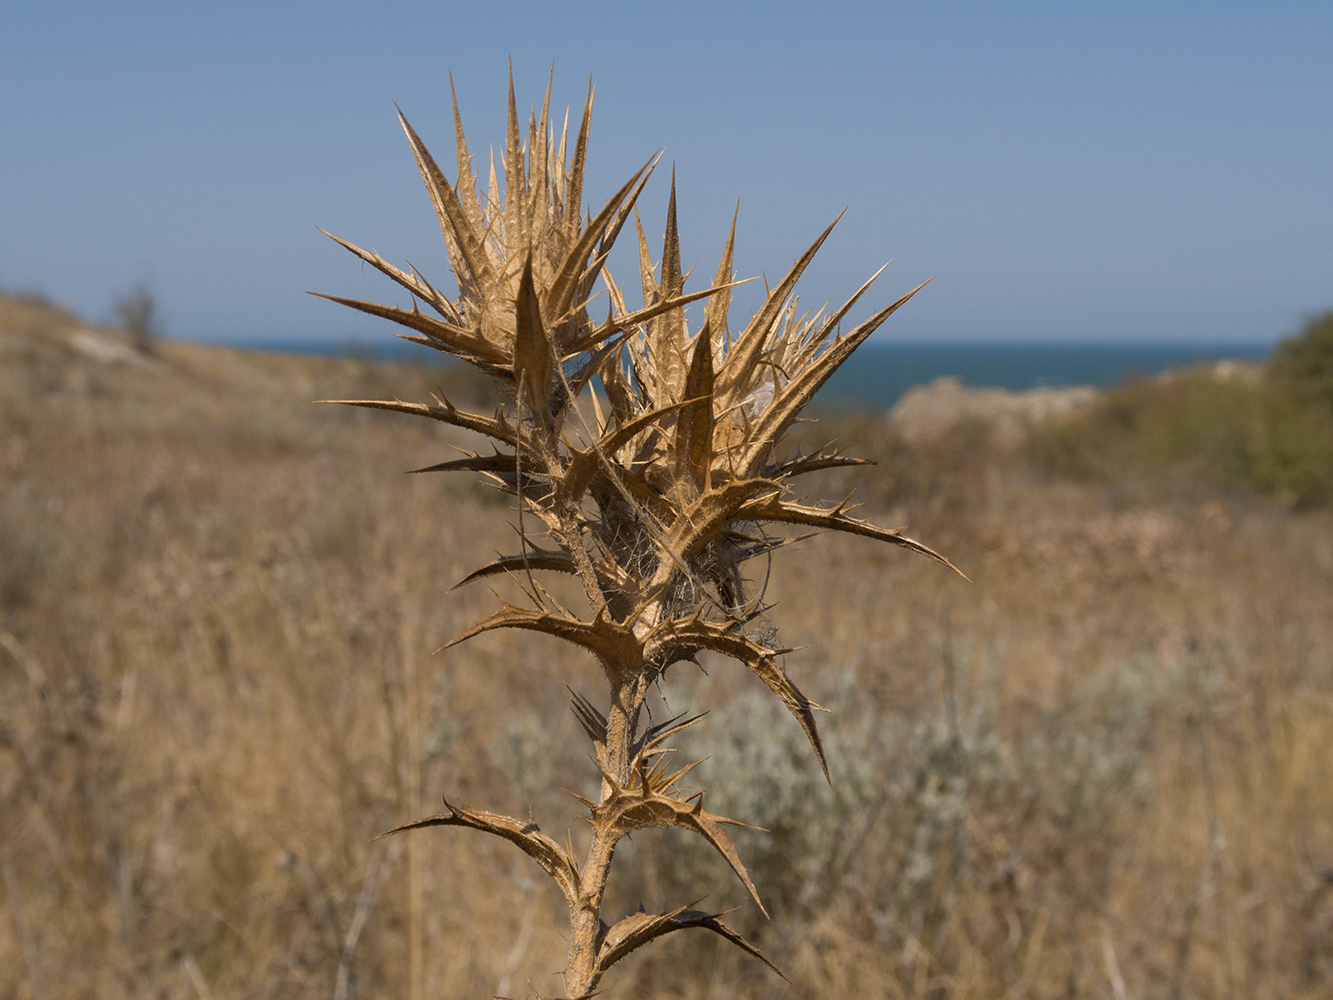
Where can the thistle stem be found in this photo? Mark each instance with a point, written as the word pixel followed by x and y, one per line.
pixel 622 722
pixel 585 918
pixel 585 921
pixel 571 541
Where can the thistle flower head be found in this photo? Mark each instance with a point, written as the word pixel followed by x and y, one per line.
pixel 660 499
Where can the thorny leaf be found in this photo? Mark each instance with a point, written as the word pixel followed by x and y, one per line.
pixel 630 320
pixel 560 562
pixel 694 424
pixel 615 645
pixel 791 399
pixel 679 640
pixel 414 283
pixel 574 193
pixel 471 462
pixel 638 929
pixel 804 464
pixel 435 333
pixel 537 845
pixel 467 184
pixel 566 281
pixel 772 508
pixel 715 317
pixel 532 349
pixel 668 336
pixel 741 359
pixel 496 427
pixel 590 718
pixel 705 519
pixel 649 744
pixel 645 802
pixel 471 264
pixel 582 466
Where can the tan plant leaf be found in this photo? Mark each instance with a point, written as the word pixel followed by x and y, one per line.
pixel 467 183
pixel 618 393
pixel 694 424
pixel 560 562
pixel 669 330
pixel 532 350
pixel 566 281
pixel 680 639
pixel 613 231
pixel 638 929
pixel 615 645
pixel 708 517
pixel 513 160
pixel 803 464
pixel 471 264
pixel 788 402
pixel 650 743
pixel 537 153
pixel 773 508
pixel 715 317
pixel 741 359
pixel 647 274
pixel 413 282
pixel 495 427
pixel 438 333
pixel 574 198
pixel 497 464
pixel 527 836
pixel 583 465
pixel 642 805
pixel 627 321
pixel 592 720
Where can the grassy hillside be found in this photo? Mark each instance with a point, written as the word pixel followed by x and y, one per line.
pixel 1101 769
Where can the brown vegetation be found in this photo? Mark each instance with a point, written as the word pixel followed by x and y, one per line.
pixel 1100 770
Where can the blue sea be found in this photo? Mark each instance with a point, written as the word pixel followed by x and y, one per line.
pixel 879 373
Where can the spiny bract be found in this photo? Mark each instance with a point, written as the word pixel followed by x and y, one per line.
pixel 654 502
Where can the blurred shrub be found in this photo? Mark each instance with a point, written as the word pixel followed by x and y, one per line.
pixel 1269 429
pixel 1294 457
pixel 1303 365
pixel 892 845
pixel 138 315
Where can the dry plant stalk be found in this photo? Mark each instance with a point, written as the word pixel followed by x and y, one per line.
pixel 655 509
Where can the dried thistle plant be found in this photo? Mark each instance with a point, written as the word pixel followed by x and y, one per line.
pixel 654 504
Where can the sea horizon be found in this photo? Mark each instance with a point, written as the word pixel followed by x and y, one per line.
pixel 879 373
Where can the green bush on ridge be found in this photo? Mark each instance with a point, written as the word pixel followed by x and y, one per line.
pixel 1271 430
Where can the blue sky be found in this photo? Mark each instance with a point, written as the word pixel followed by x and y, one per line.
pixel 1070 171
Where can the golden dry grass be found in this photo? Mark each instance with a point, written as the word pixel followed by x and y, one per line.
pixel 1100 770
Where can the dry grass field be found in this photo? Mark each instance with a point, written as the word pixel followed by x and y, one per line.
pixel 1102 769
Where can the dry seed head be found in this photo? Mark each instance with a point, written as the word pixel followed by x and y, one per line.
pixel 660 504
